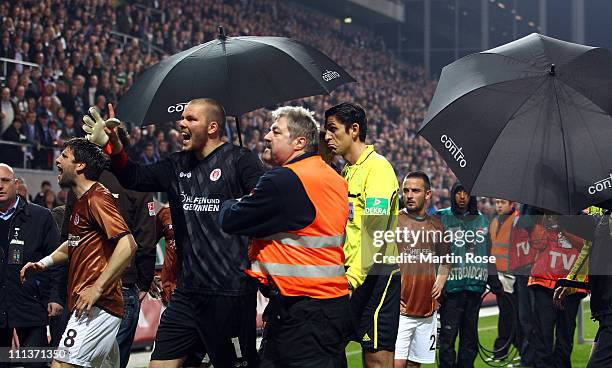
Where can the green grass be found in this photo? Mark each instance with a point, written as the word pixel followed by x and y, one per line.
pixel 487 332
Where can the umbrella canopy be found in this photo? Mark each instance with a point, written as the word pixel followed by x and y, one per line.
pixel 242 73
pixel 528 121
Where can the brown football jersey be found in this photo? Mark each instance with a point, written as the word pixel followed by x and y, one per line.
pixel 163 227
pixel 95 227
pixel 419 275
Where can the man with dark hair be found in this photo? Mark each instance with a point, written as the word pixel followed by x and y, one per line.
pixel 373 206
pixel 98 249
pixel 467 279
pixel 39 199
pixel 214 304
pixel 422 280
pixel 348 114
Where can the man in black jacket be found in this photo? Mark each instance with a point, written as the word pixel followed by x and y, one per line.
pixel 27 233
pixel 214 304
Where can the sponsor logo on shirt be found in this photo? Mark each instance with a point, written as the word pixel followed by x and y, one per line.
pixel 376 206
pixel 76 219
pixel 454 150
pixel 600 186
pixel 115 195
pixel 200 204
pixel 330 75
pixel 215 174
pixel 151 207
pixel 185 175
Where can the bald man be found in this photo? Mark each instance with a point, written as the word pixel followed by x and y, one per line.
pixel 214 305
pixel 27 234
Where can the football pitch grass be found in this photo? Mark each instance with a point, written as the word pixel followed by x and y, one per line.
pixel 487 332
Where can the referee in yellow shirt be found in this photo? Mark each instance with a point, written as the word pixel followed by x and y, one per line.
pixel 373 208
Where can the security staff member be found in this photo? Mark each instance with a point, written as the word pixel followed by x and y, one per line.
pixel 296 216
pixel 27 233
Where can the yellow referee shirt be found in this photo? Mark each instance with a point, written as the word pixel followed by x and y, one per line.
pixel 373 209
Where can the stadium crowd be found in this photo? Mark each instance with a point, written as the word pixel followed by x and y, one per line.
pixel 83 64
pixel 90 52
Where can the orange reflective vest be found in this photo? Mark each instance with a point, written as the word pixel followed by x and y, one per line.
pixel 500 239
pixel 309 261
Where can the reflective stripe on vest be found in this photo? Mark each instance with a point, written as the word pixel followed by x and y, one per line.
pixel 323 241
pixel 278 269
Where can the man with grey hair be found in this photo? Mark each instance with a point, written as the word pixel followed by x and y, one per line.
pixel 296 216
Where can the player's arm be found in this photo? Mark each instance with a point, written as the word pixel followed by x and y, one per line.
pixel 443 272
pixel 118 262
pixel 443 248
pixel 58 257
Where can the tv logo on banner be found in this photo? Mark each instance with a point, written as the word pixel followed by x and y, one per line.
pixel 601 185
pixel 454 150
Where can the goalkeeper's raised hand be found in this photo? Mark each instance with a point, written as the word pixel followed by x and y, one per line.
pixel 99 131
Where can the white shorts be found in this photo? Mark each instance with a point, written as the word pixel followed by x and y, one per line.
pixel 416 339
pixel 91 342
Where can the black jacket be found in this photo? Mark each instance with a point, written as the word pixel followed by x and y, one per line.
pixel 279 203
pixel 209 261
pixel 26 305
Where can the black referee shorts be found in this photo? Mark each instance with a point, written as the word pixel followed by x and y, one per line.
pixel 375 307
pixel 222 326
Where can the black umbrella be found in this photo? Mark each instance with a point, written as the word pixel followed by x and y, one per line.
pixel 528 121
pixel 242 73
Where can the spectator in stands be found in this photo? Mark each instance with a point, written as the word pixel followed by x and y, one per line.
pixel 69 130
pixel 135 149
pixel 163 150
pixel 72 53
pixel 22 189
pixel 8 110
pixel 20 100
pixel 12 154
pixel 50 200
pixel 39 199
pixel 149 156
pixel 46 107
pixel 44 140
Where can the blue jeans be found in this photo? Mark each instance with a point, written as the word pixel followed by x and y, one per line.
pixel 127 329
